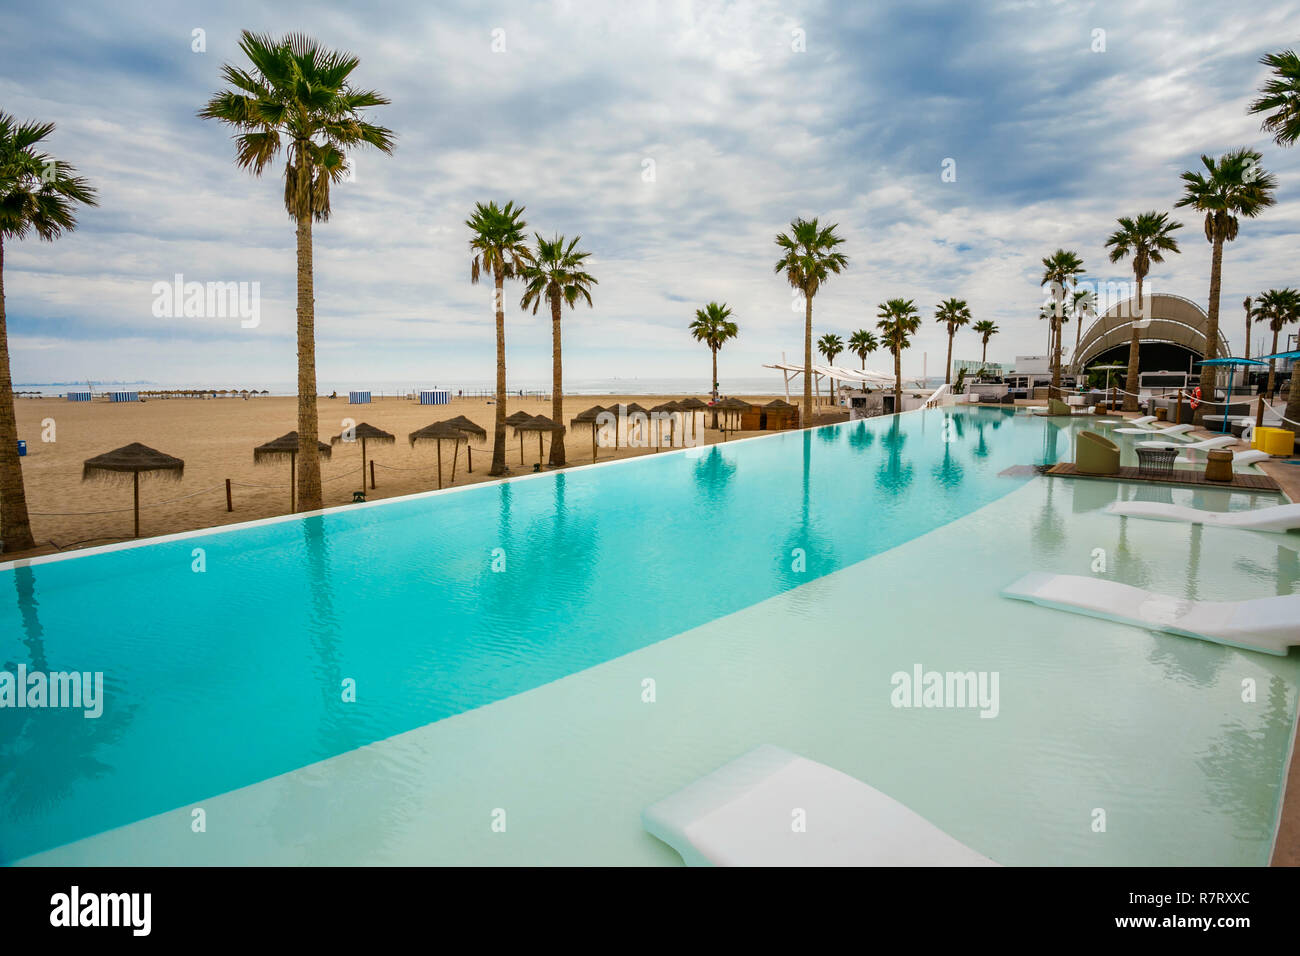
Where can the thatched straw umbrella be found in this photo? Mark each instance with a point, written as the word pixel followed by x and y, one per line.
pixel 471 430
pixel 134 460
pixel 540 424
pixel 440 432
pixel 514 421
pixel 286 446
pixel 692 406
pixel 590 417
pixel 732 409
pixel 669 408
pixel 365 433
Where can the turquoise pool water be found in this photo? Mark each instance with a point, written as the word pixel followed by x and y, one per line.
pixel 219 680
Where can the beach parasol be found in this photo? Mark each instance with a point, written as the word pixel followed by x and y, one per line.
pixel 441 432
pixel 669 408
pixel 732 409
pixel 692 406
pixel 1232 364
pixel 471 429
pixel 540 424
pixel 590 417
pixel 514 421
pixel 365 433
pixel 135 460
pixel 628 410
pixel 286 446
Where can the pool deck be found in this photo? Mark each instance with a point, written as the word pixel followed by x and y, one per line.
pixel 1185 477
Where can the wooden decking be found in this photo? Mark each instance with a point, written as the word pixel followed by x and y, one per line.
pixel 1184 477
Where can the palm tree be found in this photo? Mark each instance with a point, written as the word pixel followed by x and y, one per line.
pixel 713 327
pixel 500 249
pixel 297 95
pixel 808 259
pixel 38 194
pixel 1281 94
pixel 986 329
pixel 899 319
pixel 831 345
pixel 1082 304
pixel 862 343
pixel 1062 269
pixel 1146 237
pixel 1234 185
pixel 954 313
pixel 555 273
pixel 1279 308
pixel 1245 304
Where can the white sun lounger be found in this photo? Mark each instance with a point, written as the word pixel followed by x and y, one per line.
pixel 1173 431
pixel 1216 442
pixel 1142 420
pixel 1278 518
pixel 1269 624
pixel 745 814
pixel 1248 457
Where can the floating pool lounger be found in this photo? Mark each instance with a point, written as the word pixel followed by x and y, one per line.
pixel 1269 624
pixel 750 812
pixel 1249 457
pixel 1205 445
pixel 1173 431
pixel 1278 518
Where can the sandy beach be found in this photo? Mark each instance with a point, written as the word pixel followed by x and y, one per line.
pixel 216 437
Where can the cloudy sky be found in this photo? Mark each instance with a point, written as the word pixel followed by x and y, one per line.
pixel 748 114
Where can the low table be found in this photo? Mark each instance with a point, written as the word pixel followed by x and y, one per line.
pixel 1156 462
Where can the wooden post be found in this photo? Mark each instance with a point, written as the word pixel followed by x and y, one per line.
pixel 439 464
pixel 363 463
pixel 135 480
pixel 455 453
pixel 1178 409
pixel 593 441
pixel 540 434
pixel 469 455
pixel 230 505
pixel 372 474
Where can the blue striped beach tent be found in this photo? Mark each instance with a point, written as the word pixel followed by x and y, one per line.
pixel 434 396
pixel 124 396
pixel 358 398
pixel 78 394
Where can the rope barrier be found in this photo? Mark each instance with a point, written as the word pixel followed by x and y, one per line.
pixel 147 504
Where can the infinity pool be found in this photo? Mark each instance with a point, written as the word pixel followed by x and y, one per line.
pixel 498 638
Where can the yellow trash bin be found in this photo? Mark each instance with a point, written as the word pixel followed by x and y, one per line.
pixel 1274 441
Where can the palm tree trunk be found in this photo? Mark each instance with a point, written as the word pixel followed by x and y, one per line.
pixel 1272 364
pixel 499 427
pixel 947 369
pixel 898 380
pixel 984 353
pixel 1134 353
pixel 1293 402
pixel 557 385
pixel 1211 332
pixel 1055 390
pixel 15 526
pixel 1247 333
pixel 714 390
pixel 309 489
pixel 807 360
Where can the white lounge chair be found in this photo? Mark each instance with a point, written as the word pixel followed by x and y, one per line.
pixel 1248 457
pixel 1173 431
pixel 1142 420
pixel 1218 441
pixel 1270 624
pixel 743 815
pixel 1278 518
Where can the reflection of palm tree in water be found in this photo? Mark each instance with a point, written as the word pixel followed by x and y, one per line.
pixel 894 475
pixel 1048 534
pixel 1244 767
pixel 948 472
pixel 45 752
pixel 324 631
pixel 818 554
pixel 713 472
pixel 981 444
pixel 1051 436
pixel 861 437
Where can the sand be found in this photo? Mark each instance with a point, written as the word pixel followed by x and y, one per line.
pixel 216 438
